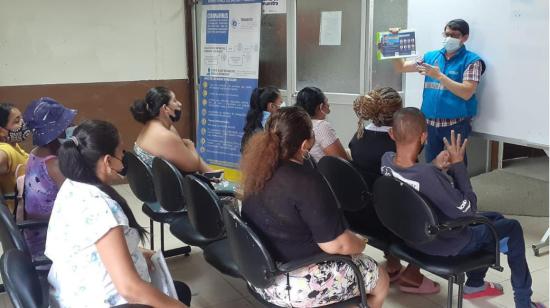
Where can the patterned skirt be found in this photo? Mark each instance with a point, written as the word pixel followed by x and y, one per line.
pixel 320 284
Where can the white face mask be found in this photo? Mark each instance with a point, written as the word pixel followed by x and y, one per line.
pixel 451 44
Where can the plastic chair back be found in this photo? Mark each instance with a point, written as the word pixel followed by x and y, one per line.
pixel 168 182
pixel 10 236
pixel 203 208
pixel 346 183
pixel 21 280
pixel 140 178
pixel 310 162
pixel 253 260
pixel 402 210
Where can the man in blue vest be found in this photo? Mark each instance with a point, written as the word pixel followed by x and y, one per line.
pixel 451 78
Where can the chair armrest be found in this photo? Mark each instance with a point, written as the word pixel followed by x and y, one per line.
pixel 462 222
pixel 9 196
pixel 32 224
pixel 41 260
pixel 468 221
pixel 325 257
pixel 225 193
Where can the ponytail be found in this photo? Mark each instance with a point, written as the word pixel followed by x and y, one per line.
pixel 78 157
pixel 144 110
pixel 259 99
pixel 141 112
pixel 259 161
pixel 282 138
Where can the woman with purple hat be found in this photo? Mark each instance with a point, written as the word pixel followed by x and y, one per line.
pixel 48 121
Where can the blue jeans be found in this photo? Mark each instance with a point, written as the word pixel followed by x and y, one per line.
pixel 436 134
pixel 512 244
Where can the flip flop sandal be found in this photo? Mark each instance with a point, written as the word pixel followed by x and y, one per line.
pixel 394 276
pixel 426 287
pixel 491 289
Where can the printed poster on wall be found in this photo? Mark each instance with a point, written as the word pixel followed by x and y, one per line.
pixel 230 45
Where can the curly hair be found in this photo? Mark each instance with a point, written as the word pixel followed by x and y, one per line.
pixel 378 106
pixel 282 138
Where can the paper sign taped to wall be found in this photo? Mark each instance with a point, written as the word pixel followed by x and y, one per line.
pixel 396 45
pixel 331 28
pixel 274 6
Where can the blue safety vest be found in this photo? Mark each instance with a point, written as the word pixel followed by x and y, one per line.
pixel 440 103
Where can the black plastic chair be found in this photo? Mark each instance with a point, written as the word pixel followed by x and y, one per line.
pixel 169 189
pixel 410 217
pixel 141 182
pixel 21 280
pixel 354 198
pixel 204 210
pixel 310 162
pixel 259 269
pixel 12 238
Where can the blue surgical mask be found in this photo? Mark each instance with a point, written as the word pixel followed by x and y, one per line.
pixel 451 44
pixel 265 116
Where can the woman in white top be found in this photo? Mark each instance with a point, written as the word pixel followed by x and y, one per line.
pixel 93 236
pixel 314 101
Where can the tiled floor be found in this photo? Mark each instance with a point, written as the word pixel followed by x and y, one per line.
pixel 213 289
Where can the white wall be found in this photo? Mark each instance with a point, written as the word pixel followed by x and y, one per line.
pixel 77 41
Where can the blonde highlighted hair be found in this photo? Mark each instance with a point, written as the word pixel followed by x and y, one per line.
pixel 377 106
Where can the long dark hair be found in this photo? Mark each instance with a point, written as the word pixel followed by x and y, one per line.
pixel 77 162
pixel 147 109
pixel 259 100
pixel 5 110
pixel 285 131
pixel 309 98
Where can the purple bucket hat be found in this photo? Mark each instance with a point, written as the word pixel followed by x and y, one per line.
pixel 47 119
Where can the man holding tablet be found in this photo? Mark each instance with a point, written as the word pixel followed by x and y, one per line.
pixel 452 74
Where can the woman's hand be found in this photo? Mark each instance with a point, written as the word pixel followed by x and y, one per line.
pixel 148 254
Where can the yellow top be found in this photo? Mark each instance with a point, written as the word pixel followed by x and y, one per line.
pixel 16 156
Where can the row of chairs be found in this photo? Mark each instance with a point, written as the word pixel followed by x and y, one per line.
pixel 213 223
pixel 410 217
pixel 200 217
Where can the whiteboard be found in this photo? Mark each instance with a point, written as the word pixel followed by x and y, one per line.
pixel 511 36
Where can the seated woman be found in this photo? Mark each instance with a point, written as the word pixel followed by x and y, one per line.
pixel 367 147
pixel 292 208
pixel 93 235
pixel 314 101
pixel 158 111
pixel 48 121
pixel 263 102
pixel 12 132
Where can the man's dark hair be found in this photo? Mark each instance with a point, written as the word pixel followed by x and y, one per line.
pixel 408 124
pixel 458 25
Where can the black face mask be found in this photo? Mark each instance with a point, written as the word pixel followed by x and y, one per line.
pixel 124 170
pixel 177 116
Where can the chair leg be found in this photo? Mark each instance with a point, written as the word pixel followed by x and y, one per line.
pixel 152 234
pixel 450 284
pixel 460 294
pixel 162 237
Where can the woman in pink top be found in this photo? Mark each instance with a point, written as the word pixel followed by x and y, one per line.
pixel 315 103
pixel 48 121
